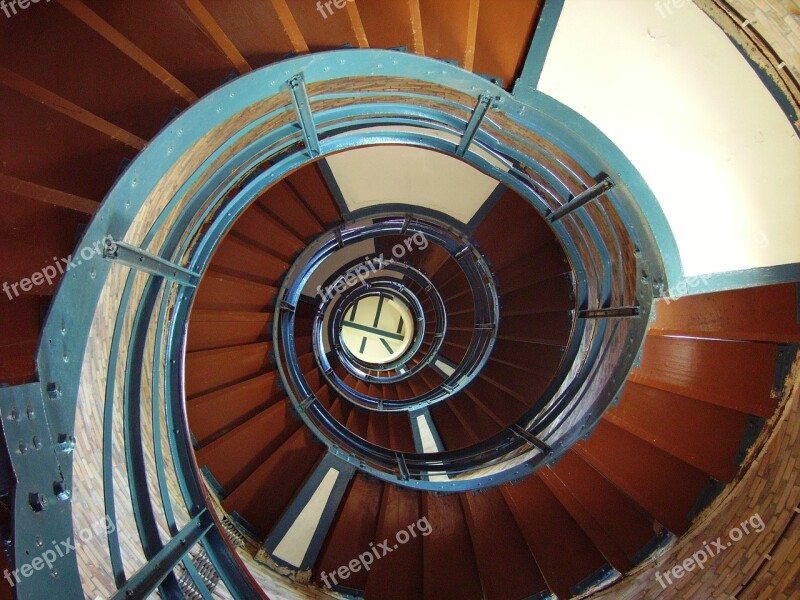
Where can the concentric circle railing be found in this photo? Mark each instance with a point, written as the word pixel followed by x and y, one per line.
pixel 431 331
pixel 484 298
pixel 416 283
pixel 390 290
pixel 112 351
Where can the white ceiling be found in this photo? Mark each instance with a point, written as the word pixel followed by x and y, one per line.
pixel 378 175
pixel 670 89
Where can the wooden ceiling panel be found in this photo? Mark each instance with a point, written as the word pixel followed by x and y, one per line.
pixel 43 146
pixel 445 26
pixel 387 24
pixel 166 31
pixel 75 62
pixel 19 337
pixel 56 231
pixel 326 29
pixel 254 28
pixel 505 30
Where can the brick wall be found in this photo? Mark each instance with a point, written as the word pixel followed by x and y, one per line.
pixel 778 22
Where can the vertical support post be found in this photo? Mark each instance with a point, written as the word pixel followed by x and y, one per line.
pixel 302 107
pixel 478 115
pixel 525 87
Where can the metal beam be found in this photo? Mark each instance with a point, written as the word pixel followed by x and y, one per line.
pixel 141 260
pixel 623 312
pixel 302 107
pixel 582 199
pixel 478 115
pixel 373 330
pixel 147 579
pixel 525 87
pixel 405 474
pixel 526 435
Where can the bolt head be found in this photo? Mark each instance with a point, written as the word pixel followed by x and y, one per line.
pixel 61 491
pixel 37 501
pixel 66 443
pixel 54 391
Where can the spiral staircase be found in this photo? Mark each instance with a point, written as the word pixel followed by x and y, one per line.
pixel 257 374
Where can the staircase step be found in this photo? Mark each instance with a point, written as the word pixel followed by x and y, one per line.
pixel 765 314
pixel 665 486
pixel 701 434
pixel 454 430
pixel 734 375
pixel 209 370
pixel 546 262
pixel 262 231
pixel 563 551
pixel 505 564
pixel 210 329
pixel 281 201
pixel 234 456
pixel 239 258
pixel 398 574
pixel 512 230
pixel 549 329
pixel 309 184
pixel 550 295
pixel 213 414
pixel 354 529
pixel 593 529
pixel 450 568
pixel 222 292
pixel 618 526
pixel 263 496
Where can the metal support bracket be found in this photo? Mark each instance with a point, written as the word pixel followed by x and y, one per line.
pixel 531 439
pixel 405 475
pixel 623 312
pixel 302 107
pixel 147 579
pixel 339 238
pixel 485 102
pixel 41 493
pixel 582 199
pixel 141 260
